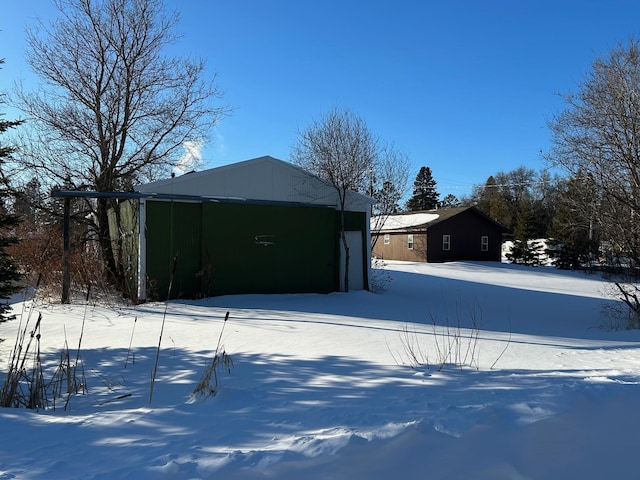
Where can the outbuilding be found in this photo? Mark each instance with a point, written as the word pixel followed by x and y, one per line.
pixel 463 233
pixel 258 226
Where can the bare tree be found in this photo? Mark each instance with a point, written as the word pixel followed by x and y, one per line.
pixel 389 184
pixel 596 139
pixel 113 109
pixel 339 148
pixel 597 136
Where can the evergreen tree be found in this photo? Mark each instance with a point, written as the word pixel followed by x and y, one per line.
pixel 450 201
pixel 29 203
pixel 387 199
pixel 425 196
pixel 9 272
pixel 526 252
pixel 525 223
pixel 575 226
pixel 522 200
pixel 492 201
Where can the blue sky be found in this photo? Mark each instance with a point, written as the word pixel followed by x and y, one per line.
pixel 464 87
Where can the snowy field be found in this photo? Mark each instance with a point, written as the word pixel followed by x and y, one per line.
pixel 518 380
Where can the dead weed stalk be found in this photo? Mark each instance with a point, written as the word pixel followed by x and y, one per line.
pixel 24 385
pixel 206 386
pixel 454 343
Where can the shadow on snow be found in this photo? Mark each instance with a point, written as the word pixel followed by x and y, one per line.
pixel 269 406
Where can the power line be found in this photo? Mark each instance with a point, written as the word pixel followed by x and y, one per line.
pixel 497 185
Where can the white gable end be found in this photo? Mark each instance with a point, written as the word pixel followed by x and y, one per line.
pixel 264 178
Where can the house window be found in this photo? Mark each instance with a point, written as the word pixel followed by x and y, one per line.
pixel 484 243
pixel 446 242
pixel 410 241
pixel 387 239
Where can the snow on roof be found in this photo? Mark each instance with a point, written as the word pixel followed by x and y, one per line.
pixel 397 222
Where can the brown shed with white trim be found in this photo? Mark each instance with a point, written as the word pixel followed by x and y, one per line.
pixel 463 233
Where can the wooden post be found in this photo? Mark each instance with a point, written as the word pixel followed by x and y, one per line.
pixel 66 268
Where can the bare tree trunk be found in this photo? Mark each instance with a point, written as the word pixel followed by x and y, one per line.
pixel 345 245
pixel 112 268
pixel 66 268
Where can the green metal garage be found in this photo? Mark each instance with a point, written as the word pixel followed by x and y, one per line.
pixel 259 226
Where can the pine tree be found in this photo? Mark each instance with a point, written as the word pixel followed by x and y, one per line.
pixel 575 225
pixel 387 199
pixel 494 201
pixel 29 202
pixel 526 252
pixel 450 201
pixel 9 272
pixel 425 196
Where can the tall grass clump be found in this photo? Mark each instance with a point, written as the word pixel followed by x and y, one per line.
pixel 24 385
pixel 209 381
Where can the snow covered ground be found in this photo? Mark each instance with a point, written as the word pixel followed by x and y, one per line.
pixel 518 380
